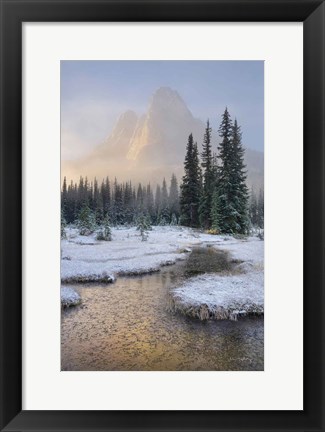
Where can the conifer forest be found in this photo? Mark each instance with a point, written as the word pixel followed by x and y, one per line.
pixel 211 195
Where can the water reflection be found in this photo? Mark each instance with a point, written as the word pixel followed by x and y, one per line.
pixel 126 326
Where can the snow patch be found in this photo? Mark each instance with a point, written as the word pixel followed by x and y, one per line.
pixel 95 261
pixel 220 297
pixel 69 297
pixel 215 296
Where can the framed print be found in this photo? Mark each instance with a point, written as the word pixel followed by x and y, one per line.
pixel 162 215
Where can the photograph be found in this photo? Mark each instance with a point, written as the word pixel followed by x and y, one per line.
pixel 162 215
pixel 163 210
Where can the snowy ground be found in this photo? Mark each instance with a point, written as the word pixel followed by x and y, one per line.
pixel 69 297
pixel 231 295
pixel 84 259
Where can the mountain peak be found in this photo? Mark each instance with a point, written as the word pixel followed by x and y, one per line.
pixel 165 92
pixel 160 135
pixel 127 116
pixel 119 139
pixel 166 100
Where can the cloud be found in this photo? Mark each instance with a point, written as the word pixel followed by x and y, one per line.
pixel 85 124
pixel 72 145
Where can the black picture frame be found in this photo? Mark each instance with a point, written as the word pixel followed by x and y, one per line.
pixel 13 14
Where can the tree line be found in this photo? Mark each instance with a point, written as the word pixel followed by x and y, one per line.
pixel 256 209
pixel 123 203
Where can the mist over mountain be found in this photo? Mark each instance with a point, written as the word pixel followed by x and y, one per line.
pixel 152 146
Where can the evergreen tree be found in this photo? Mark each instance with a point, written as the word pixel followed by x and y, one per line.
pixel 164 217
pixel 64 197
pixel 191 186
pixel 227 212
pixel 140 199
pixel 215 170
pixel 63 225
pixel 144 199
pixel 97 203
pixel 105 232
pixel 208 180
pixel 260 207
pixel 86 221
pixel 241 195
pixel 173 220
pixel 143 225
pixel 87 193
pixel 86 188
pixel 134 206
pixel 106 196
pixel 157 203
pixel 128 203
pixel 215 224
pixel 70 206
pixel 174 200
pixel 117 212
pixel 150 203
pixel 233 192
pixel 76 205
pixel 81 195
pixel 253 209
pixel 90 196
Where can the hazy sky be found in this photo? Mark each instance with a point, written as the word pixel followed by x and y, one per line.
pixel 95 93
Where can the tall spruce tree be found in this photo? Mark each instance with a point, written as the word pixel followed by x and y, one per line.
pixel 233 193
pixel 208 179
pixel 241 195
pixel 227 212
pixel 191 186
pixel 215 217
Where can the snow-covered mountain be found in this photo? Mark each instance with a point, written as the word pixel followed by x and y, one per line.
pixel 161 134
pixel 152 146
pixel 118 142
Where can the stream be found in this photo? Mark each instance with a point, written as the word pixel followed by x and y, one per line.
pixel 126 326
